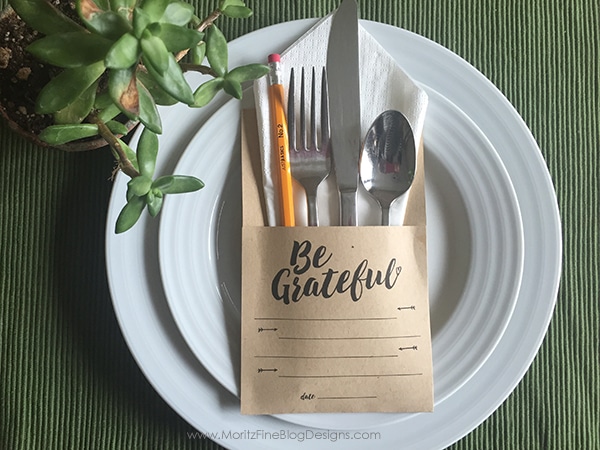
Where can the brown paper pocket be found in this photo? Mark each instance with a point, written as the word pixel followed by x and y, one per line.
pixel 334 319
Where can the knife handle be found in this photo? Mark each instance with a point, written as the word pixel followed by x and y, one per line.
pixel 348 208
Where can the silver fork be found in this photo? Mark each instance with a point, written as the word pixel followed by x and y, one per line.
pixel 310 163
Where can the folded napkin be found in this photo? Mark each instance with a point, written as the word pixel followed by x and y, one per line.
pixel 383 85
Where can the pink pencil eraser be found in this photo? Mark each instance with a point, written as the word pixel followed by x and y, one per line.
pixel 274 57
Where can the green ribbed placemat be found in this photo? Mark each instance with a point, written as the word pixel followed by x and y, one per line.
pixel 67 379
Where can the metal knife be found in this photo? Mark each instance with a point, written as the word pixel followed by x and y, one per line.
pixel 344 105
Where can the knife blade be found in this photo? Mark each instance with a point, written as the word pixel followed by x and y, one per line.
pixel 344 105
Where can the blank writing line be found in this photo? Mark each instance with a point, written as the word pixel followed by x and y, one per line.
pixel 346 338
pixel 332 319
pixel 348 398
pixel 324 357
pixel 374 375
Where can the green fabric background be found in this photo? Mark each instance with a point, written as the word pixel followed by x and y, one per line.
pixel 67 379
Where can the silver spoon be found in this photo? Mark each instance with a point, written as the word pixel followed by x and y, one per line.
pixel 387 163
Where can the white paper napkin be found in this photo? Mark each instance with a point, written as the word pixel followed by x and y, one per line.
pixel 383 85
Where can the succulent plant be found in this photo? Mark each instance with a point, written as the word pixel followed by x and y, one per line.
pixel 125 57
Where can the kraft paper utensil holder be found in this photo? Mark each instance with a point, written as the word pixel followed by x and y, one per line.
pixel 334 319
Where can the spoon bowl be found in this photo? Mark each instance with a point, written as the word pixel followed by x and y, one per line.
pixel 387 163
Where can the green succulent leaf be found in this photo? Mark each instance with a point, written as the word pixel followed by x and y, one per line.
pixel 130 153
pixel 66 87
pixel 149 196
pixel 178 13
pixel 237 12
pixel 232 87
pixel 122 87
pixel 108 113
pixel 158 94
pixel 155 52
pixel 216 50
pixel 195 22
pixel 146 152
pixel 207 91
pixel 247 72
pixel 154 200
pixel 175 37
pixel 129 194
pixel 172 80
pixel 109 24
pixel 130 214
pixel 79 108
pixel 177 184
pixel 104 5
pixel 235 9
pixel 123 7
pixel 155 8
pixel 198 53
pixel 224 4
pixel 148 112
pixel 61 134
pixel 124 53
pixel 139 186
pixel 72 49
pixel 117 127
pixel 141 19
pixel 44 17
pixel 117 5
pixel 102 100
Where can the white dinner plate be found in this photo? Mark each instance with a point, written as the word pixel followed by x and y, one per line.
pixel 174 371
pixel 475 252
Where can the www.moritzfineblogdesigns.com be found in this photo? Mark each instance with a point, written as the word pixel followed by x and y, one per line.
pixel 282 435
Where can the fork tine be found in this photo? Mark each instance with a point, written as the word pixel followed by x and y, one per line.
pixel 291 116
pixel 324 111
pixel 313 113
pixel 303 112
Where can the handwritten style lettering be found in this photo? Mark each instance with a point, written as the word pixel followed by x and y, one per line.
pixel 288 286
pixel 301 251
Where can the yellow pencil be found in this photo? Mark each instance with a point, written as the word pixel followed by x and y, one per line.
pixel 280 141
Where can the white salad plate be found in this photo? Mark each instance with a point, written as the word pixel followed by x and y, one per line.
pixel 190 389
pixel 475 252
